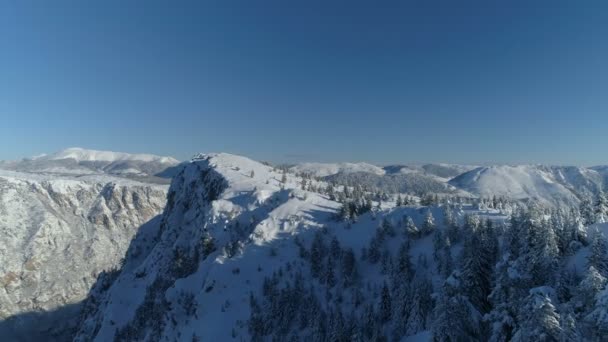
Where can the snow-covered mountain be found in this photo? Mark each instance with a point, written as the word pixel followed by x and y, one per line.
pixel 549 184
pixel 60 228
pixel 230 224
pixel 243 252
pixel 78 161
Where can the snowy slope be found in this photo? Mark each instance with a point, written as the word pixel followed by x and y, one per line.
pixel 549 184
pixel 175 286
pixel 57 232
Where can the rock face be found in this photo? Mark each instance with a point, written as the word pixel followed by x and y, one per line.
pixel 57 233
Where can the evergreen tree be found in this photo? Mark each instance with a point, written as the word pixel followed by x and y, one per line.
pixel 586 212
pixel 447 260
pixel 439 242
pixel 587 290
pixel 411 229
pixel 505 297
pixel 373 252
pixel 539 320
pixel 385 304
pixel 601 208
pixel 455 318
pixel 317 254
pixel 349 267
pixel 405 269
pixel 428 226
pixel 476 273
pixel 598 318
pixel 540 252
pixel 570 330
pixel 330 278
pixel 599 254
pixel 420 305
pixel 452 228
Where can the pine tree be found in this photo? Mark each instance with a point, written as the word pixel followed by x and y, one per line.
pixel 504 298
pixel 439 243
pixel 349 267
pixel 455 318
pixel 373 252
pixel 570 329
pixel 399 201
pixel 335 249
pixel 411 229
pixel 420 305
pixel 477 269
pixel 601 208
pixel 540 252
pixel 317 254
pixel 586 212
pixel 330 278
pixel 447 260
pixel 405 269
pixel 598 318
pixel 452 229
pixel 385 304
pixel 589 287
pixel 539 320
pixel 599 254
pixel 428 226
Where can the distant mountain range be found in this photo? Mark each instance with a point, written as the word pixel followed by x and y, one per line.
pixel 78 161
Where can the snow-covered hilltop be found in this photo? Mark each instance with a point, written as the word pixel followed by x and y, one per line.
pixel 549 184
pixel 229 226
pixel 58 231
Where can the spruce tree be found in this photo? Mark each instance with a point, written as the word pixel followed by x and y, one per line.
pixel 599 254
pixel 598 318
pixel 428 226
pixel 405 269
pixel 455 318
pixel 586 212
pixel 411 229
pixel 385 304
pixel 539 320
pixel 601 208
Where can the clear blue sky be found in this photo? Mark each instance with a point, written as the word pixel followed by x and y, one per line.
pixel 385 82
